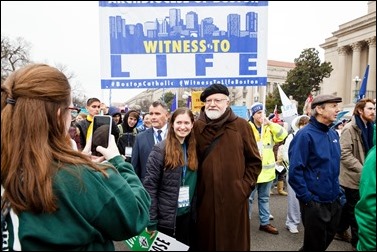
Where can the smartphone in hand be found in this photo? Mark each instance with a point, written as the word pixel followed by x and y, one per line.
pixel 101 132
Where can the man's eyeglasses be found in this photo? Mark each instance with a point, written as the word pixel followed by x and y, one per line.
pixel 74 111
pixel 216 101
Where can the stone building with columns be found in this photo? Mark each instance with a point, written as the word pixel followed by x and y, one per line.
pixel 350 50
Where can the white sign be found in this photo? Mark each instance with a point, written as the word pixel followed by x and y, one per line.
pixel 289 110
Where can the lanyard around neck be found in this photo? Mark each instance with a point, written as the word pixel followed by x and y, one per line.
pixel 185 165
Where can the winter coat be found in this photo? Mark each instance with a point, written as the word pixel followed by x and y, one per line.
pixel 352 155
pixel 226 177
pixel 93 211
pixel 127 136
pixel 365 209
pixel 163 186
pixel 314 160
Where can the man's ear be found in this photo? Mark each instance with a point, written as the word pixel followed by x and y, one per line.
pixel 319 109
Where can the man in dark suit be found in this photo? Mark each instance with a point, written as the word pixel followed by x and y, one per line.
pixel 146 140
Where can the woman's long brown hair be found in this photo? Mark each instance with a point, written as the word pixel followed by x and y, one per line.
pixel 35 143
pixel 174 157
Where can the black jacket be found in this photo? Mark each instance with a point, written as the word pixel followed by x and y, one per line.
pixel 163 188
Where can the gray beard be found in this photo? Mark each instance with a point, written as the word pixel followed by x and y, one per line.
pixel 213 114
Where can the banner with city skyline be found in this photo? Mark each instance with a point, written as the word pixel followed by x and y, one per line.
pixel 172 44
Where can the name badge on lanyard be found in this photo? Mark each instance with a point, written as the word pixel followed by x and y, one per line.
pixel 184 196
pixel 184 191
pixel 128 151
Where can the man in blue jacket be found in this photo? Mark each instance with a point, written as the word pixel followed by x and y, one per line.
pixel 314 155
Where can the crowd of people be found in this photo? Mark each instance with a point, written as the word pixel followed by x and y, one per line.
pixel 192 177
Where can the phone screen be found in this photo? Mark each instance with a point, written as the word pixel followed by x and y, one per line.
pixel 101 132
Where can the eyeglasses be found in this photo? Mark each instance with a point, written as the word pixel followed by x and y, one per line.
pixel 216 101
pixel 74 111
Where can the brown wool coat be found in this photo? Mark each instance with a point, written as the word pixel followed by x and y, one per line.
pixel 225 180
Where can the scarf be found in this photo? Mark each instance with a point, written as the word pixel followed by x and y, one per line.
pixel 210 128
pixel 366 133
pixel 90 128
pixel 213 126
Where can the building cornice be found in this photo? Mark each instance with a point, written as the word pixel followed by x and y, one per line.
pixel 362 23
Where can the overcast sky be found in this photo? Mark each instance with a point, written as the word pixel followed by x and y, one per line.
pixel 67 33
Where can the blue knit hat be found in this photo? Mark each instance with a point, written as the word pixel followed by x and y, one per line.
pixel 113 111
pixel 256 107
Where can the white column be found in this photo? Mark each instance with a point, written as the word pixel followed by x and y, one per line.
pixel 356 49
pixel 371 86
pixel 343 91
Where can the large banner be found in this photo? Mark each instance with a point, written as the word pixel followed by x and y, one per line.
pixel 172 44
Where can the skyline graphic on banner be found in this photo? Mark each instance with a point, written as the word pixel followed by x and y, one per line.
pixel 194 45
pixel 204 36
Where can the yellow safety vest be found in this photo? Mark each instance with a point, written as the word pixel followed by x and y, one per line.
pixel 273 133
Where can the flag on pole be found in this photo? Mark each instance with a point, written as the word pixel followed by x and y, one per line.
pixel 174 103
pixel 276 118
pixel 289 108
pixel 363 87
pixel 283 97
pixel 276 111
pixel 188 104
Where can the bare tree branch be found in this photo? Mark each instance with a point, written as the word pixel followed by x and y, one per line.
pixel 14 54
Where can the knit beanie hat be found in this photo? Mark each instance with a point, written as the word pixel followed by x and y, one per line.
pixel 256 107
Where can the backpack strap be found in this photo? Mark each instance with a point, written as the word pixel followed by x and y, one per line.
pixel 120 127
pixel 135 131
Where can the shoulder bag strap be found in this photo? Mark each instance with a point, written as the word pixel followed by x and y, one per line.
pixel 209 148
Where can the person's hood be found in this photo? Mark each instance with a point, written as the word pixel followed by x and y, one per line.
pixel 114 110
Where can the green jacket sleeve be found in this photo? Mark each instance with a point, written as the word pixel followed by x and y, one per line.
pixel 128 208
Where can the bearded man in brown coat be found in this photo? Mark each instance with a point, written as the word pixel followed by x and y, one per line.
pixel 229 165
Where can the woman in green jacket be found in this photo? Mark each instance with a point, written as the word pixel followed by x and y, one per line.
pixel 365 209
pixel 56 197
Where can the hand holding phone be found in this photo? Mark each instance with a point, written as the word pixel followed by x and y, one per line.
pixel 101 132
pixel 111 151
